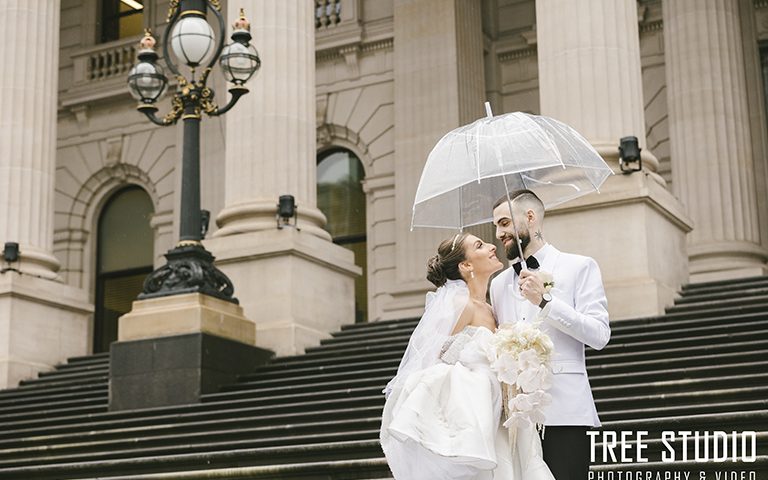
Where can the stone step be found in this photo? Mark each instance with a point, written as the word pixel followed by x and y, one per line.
pixel 675 410
pixel 618 328
pixel 694 337
pixel 600 364
pixel 269 457
pixel 82 359
pixel 723 284
pixel 189 416
pixel 326 470
pixel 757 321
pixel 706 305
pixel 692 367
pixel 49 388
pixel 385 372
pixel 49 411
pixel 60 394
pixel 705 371
pixel 194 413
pixel 738 421
pixel 680 386
pixel 708 296
pixel 306 371
pixel 65 400
pixel 356 326
pixel 136 444
pixel 287 364
pixel 644 400
pixel 211 403
pixel 57 377
pixel 83 365
pixel 603 357
pixel 602 367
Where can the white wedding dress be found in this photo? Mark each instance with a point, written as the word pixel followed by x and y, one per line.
pixel 443 422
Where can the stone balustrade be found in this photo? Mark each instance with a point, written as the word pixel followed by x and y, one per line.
pixel 327 13
pixel 105 61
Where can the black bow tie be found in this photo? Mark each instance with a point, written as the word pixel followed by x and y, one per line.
pixel 531 261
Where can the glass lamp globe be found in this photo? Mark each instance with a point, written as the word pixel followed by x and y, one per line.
pixel 147 82
pixel 192 40
pixel 239 62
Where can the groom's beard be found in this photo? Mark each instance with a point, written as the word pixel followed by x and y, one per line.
pixel 512 250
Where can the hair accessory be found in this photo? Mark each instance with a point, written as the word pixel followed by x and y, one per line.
pixel 453 244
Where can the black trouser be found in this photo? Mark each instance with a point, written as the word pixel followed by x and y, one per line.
pixel 566 452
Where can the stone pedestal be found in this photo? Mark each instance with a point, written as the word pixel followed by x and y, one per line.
pixel 171 350
pixel 711 150
pixel 42 323
pixel 295 288
pixel 176 370
pixel 636 230
pixel 186 313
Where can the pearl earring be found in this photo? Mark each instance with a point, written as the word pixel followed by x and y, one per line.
pixel 471 274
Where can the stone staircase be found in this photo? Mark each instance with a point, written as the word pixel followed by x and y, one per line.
pixel 701 367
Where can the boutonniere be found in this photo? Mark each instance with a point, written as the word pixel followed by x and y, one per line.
pixel 548 280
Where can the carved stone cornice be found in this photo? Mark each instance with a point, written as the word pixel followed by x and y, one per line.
pixel 344 51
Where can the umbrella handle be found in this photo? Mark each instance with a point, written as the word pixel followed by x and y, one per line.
pixel 488 112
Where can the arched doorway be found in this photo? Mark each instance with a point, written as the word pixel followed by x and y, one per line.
pixel 341 198
pixel 124 258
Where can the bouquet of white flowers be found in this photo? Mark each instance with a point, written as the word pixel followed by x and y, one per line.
pixel 521 360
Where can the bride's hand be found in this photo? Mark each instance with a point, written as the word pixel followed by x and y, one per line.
pixel 531 286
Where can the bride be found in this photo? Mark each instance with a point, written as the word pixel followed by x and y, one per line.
pixel 442 416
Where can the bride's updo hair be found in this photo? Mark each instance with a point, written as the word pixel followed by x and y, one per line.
pixel 445 265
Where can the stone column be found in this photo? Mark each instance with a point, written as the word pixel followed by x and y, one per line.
pixel 270 135
pixel 589 72
pixel 711 149
pixel 589 77
pixel 439 86
pixel 293 282
pixel 30 55
pixel 42 320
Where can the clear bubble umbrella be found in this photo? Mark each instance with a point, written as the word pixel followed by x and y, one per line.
pixel 473 166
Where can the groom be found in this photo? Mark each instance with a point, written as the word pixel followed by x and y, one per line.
pixel 574 314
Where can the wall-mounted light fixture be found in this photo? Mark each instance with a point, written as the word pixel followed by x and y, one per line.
pixel 11 252
pixel 629 155
pixel 286 210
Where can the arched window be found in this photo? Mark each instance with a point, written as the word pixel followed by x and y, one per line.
pixel 341 198
pixel 125 254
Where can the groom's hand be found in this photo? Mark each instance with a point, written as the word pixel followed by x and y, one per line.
pixel 531 286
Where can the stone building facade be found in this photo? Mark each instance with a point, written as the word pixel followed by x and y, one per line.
pixel 374 83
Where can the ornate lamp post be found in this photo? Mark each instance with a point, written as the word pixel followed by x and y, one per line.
pixel 190 266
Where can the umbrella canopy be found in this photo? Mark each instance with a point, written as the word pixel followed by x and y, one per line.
pixel 473 166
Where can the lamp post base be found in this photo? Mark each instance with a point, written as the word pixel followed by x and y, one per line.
pixel 190 269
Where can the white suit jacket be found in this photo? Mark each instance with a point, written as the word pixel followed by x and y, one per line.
pixel 576 316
